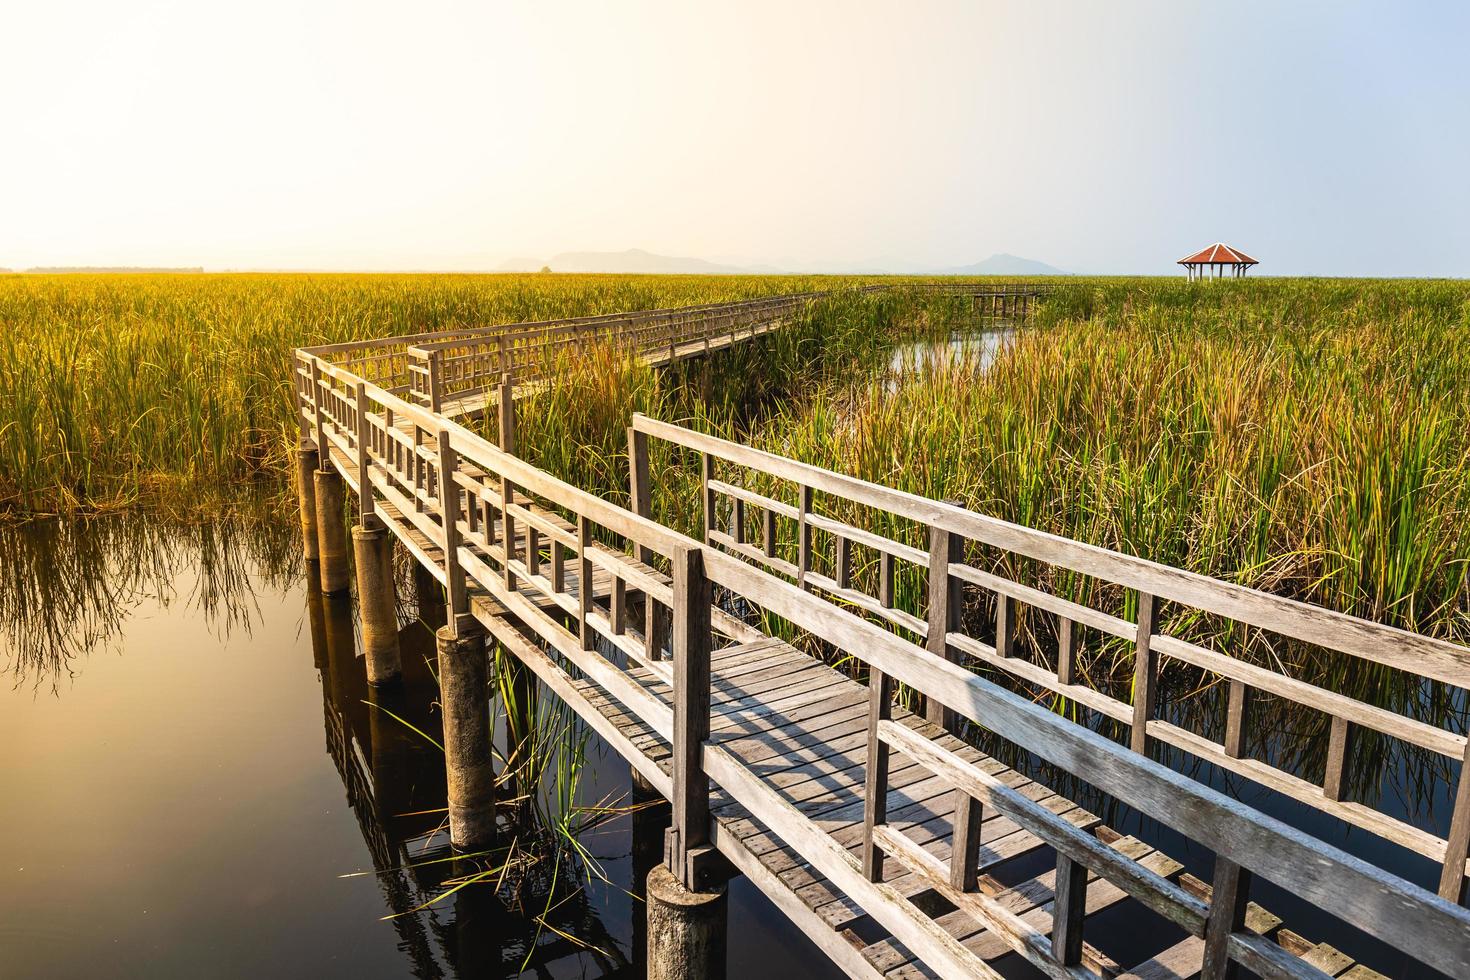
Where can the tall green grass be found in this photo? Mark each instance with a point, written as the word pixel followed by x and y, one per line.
pixel 170 389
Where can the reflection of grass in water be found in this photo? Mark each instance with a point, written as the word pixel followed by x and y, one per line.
pixel 68 587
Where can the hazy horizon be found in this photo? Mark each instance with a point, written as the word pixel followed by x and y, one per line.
pixel 1321 138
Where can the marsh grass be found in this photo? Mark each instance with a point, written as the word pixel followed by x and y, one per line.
pixel 169 390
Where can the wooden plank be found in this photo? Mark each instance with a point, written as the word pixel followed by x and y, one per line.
pixel 895 912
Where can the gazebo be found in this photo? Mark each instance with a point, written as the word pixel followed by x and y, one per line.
pixel 1216 257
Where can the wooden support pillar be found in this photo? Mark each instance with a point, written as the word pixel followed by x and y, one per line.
pixel 650 822
pixel 464 695
pixel 377 605
pixel 307 463
pixel 331 531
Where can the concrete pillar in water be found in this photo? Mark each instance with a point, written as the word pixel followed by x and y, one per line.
pixel 372 547
pixel 686 929
pixel 464 695
pixel 306 465
pixel 331 532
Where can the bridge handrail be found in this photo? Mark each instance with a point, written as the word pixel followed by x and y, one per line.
pixel 455 487
pixel 1380 903
pixel 950 526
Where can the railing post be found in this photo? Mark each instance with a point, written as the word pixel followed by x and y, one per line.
pixel 639 498
pixel 1228 901
pixel 1069 911
pixel 324 451
pixel 706 495
pixel 1145 673
pixel 585 631
pixel 842 562
pixel 506 405
pixel 1337 758
pixel 1452 878
pixel 803 535
pixel 460 620
pixel 944 610
pixel 688 852
pixel 365 509
pixel 875 779
pixel 436 381
pixel 508 529
pixel 1066 651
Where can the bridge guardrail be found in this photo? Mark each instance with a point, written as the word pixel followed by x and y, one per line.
pixel 951 533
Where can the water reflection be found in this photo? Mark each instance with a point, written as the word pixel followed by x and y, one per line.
pixel 384 744
pixel 68 587
pixel 157 674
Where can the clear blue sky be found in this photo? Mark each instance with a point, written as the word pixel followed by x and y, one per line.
pixel 1326 138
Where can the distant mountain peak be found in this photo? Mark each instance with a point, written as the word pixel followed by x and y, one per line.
pixel 633 260
pixel 1005 264
pixel 642 261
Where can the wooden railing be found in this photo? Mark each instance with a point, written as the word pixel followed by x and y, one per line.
pixel 465 366
pixel 507 538
pixel 452 367
pixel 782 489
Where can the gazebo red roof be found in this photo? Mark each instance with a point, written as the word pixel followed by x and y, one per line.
pixel 1218 254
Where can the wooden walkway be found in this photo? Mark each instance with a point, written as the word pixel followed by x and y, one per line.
pixel 901 849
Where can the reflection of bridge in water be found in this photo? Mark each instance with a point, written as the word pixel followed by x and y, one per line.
pixel 394 783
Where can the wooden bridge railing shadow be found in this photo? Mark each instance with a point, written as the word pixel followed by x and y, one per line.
pixel 552 572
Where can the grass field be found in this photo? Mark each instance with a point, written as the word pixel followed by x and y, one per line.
pixel 1305 436
pixel 169 389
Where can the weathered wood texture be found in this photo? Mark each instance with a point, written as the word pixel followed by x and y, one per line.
pixel 886 837
pixel 963 548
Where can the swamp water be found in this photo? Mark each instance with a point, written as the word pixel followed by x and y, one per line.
pixel 195 785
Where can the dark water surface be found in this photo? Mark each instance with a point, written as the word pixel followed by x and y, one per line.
pixel 193 785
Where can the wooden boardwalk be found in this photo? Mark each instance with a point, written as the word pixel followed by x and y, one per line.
pixel 899 848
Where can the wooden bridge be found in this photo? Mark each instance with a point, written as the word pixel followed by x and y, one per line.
pixel 899 847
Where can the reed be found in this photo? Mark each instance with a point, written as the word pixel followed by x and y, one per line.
pixel 1304 437
pixel 170 390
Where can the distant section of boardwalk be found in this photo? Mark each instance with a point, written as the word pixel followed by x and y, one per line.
pixel 901 849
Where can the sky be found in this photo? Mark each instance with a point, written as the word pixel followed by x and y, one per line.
pixel 1323 138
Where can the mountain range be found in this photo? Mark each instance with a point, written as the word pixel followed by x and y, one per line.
pixel 636 260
